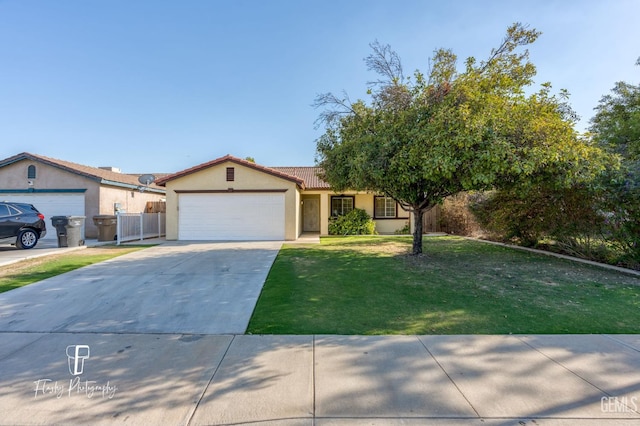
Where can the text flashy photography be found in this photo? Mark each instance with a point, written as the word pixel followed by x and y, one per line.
pixel 88 388
pixel 77 355
pixel 614 404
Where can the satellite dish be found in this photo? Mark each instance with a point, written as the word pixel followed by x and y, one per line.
pixel 146 180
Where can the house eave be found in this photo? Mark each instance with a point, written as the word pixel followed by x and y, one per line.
pixel 132 187
pixel 229 158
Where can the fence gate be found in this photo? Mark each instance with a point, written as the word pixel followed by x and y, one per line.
pixel 431 220
pixel 138 226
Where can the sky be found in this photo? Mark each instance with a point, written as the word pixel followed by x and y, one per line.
pixel 159 86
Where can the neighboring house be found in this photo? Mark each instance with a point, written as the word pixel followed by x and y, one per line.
pixel 62 188
pixel 234 199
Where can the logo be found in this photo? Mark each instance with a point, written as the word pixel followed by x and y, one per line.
pixel 76 354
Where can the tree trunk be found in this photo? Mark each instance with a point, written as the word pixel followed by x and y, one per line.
pixel 417 231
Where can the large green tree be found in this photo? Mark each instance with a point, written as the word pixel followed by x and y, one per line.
pixel 420 139
pixel 616 124
pixel 616 127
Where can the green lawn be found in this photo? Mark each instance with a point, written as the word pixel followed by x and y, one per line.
pixel 369 285
pixel 29 271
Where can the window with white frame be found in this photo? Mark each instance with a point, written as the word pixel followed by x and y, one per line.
pixel 384 207
pixel 341 205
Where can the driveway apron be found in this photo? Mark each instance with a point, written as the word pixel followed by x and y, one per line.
pixel 191 288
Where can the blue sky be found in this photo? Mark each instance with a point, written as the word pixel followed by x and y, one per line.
pixel 159 86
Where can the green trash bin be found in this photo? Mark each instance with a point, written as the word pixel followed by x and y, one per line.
pixel 107 226
pixel 70 230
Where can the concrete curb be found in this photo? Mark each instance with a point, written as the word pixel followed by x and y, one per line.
pixel 10 257
pixel 45 252
pixel 559 256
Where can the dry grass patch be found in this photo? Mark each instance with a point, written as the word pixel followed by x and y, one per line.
pixel 386 248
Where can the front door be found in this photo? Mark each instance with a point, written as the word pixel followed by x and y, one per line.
pixel 311 215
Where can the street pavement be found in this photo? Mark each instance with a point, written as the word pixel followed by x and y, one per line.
pixel 157 337
pixel 10 254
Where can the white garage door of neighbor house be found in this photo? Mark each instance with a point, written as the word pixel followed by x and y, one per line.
pixel 247 216
pixel 51 205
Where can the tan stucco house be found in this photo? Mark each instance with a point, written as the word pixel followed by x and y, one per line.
pixel 233 199
pixel 63 188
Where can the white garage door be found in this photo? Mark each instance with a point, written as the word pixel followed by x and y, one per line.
pixel 247 216
pixel 51 205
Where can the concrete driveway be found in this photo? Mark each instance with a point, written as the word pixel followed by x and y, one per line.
pixel 197 288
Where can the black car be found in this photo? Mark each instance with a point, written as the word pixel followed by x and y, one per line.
pixel 21 224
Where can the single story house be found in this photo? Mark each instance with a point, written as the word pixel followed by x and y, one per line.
pixel 62 188
pixel 234 199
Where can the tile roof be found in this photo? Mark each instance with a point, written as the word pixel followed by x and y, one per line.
pixel 272 171
pixel 94 173
pixel 305 176
pixel 308 174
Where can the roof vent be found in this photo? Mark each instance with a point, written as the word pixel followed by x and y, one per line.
pixel 111 169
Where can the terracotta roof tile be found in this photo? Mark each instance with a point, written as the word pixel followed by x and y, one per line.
pixel 308 174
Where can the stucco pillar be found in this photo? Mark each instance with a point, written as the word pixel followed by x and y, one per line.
pixel 324 214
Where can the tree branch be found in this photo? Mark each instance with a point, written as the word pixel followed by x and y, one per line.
pixel 386 63
pixel 335 108
pixel 518 34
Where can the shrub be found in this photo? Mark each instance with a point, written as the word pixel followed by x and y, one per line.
pixel 405 230
pixel 621 202
pixel 598 221
pixel 530 214
pixel 356 222
pixel 457 218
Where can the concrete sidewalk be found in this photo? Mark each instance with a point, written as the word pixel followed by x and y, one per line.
pixel 322 380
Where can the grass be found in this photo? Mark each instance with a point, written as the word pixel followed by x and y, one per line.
pixel 369 285
pixel 29 271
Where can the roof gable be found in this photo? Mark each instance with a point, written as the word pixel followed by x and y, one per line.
pixel 99 175
pixel 229 158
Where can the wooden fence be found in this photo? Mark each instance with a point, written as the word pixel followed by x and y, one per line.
pixel 156 207
pixel 432 220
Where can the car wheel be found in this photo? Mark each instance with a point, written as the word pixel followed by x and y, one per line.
pixel 27 239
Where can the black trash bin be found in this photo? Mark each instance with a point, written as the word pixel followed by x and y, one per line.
pixel 70 230
pixel 107 227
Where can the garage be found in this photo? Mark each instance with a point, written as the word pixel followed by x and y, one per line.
pixel 51 205
pixel 231 216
